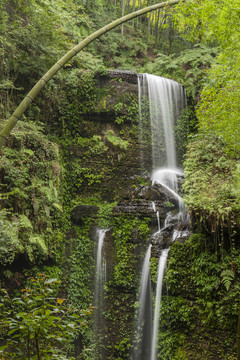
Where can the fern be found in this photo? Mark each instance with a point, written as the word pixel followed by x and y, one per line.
pixel 24 222
pixel 227 278
pixel 39 242
pixel 188 69
pixel 58 206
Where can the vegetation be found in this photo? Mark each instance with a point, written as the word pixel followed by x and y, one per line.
pixel 199 314
pixel 37 324
pixel 68 153
pixel 211 184
pixel 31 203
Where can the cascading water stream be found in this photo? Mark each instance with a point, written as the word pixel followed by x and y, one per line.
pixel 100 276
pixel 100 280
pixel 143 335
pixel 166 101
pixel 161 268
pixel 157 214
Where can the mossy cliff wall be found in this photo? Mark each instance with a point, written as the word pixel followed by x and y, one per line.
pixel 97 122
pixel 193 312
pixel 100 148
pixel 109 187
pixel 81 171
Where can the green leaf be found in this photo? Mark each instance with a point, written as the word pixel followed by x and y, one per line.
pixel 24 222
pixel 50 281
pixel 58 207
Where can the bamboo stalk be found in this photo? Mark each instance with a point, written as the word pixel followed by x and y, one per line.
pixel 22 107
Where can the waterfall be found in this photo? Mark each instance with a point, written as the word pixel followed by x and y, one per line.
pixel 166 100
pixel 143 335
pixel 100 280
pixel 161 268
pixel 100 276
pixel 157 214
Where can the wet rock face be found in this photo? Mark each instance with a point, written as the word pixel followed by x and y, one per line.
pixel 155 192
pixel 80 212
pixel 140 201
pixel 108 149
pixel 154 201
pixel 151 193
pixel 137 207
pixel 129 76
pixel 161 240
pixel 175 229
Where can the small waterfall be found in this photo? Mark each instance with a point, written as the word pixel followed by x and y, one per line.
pixel 100 276
pixel 161 268
pixel 168 179
pixel 143 335
pixel 157 214
pixel 100 280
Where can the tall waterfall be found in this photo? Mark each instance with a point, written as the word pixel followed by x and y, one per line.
pixel 166 99
pixel 163 100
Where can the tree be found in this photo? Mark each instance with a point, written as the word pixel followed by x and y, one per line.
pixel 37 324
pixel 217 23
pixel 60 63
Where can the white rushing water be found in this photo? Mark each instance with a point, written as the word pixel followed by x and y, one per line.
pixel 100 279
pixel 161 269
pixel 157 215
pixel 165 101
pixel 100 263
pixel 144 285
pixel 143 334
pixel 168 179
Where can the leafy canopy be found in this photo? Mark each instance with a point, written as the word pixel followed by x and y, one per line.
pixel 217 22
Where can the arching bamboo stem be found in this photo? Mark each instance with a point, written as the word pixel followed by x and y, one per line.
pixel 22 107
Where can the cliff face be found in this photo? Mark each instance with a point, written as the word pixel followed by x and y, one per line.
pixel 102 168
pixel 97 177
pixel 107 150
pixel 107 166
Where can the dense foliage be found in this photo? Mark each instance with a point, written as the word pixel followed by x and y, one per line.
pixel 211 186
pixel 37 324
pixel 200 305
pixel 57 158
pixel 31 204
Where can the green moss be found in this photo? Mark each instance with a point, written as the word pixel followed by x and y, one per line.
pixel 127 232
pixel 210 187
pixel 116 141
pixel 31 199
pixel 200 311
